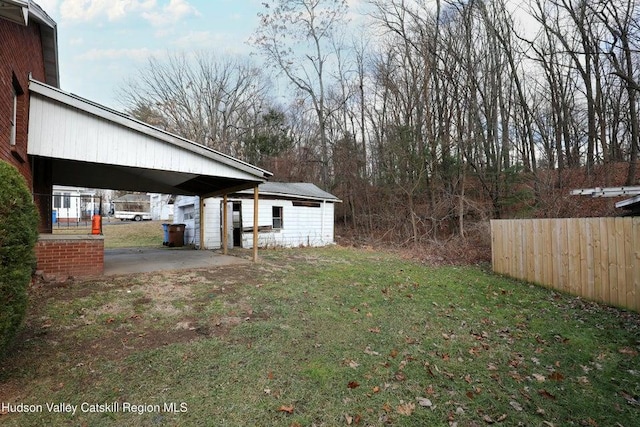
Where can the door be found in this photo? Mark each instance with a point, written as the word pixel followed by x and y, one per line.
pixel 237 224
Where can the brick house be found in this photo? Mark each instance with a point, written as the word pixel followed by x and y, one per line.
pixel 28 48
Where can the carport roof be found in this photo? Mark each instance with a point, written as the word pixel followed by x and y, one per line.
pixel 91 145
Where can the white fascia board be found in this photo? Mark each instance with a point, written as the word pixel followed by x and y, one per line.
pixel 129 122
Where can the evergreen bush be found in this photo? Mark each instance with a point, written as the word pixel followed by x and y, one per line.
pixel 18 235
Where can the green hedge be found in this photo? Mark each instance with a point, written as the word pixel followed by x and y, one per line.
pixel 18 235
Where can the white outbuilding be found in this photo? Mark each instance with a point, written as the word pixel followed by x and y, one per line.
pixel 289 215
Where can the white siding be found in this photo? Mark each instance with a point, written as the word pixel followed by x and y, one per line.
pixel 301 225
pixel 184 205
pixel 212 221
pixel 61 131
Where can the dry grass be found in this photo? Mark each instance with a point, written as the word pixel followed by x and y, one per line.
pixel 324 337
pixel 122 234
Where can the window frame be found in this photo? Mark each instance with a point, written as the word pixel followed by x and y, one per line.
pixel 13 135
pixel 277 214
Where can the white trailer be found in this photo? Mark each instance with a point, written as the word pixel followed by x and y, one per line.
pixel 134 207
pixel 133 216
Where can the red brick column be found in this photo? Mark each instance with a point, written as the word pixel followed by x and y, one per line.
pixel 63 256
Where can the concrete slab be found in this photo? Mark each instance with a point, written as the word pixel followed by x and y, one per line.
pixel 145 260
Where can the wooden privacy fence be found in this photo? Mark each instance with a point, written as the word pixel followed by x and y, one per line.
pixel 595 258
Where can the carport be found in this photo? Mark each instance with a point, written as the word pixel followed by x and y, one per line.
pixel 76 142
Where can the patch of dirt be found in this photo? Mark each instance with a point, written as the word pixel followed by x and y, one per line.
pixel 162 310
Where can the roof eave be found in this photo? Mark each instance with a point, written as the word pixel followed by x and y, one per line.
pixel 114 116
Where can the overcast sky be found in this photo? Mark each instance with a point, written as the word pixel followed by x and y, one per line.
pixel 102 42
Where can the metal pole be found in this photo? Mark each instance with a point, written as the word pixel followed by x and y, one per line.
pixel 255 223
pixel 225 224
pixel 201 221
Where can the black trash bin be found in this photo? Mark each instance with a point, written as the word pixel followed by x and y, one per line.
pixel 176 235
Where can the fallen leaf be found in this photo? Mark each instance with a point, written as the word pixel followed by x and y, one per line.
pixel 399 376
pixel 546 394
pixel 110 320
pixel 539 378
pixel 502 417
pixel 430 391
pixel 386 408
pixel 370 352
pixel 628 350
pixel 406 409
pixel 630 399
pixel 470 394
pixel 424 402
pixel 270 375
pixel 286 408
pixel 352 364
pixel 376 389
pixel 374 330
pixel 556 376
pixel 487 419
pixel 583 380
pixel 467 378
pixel 353 384
pixel 446 336
pixel 515 405
pixel 492 367
pixel 393 353
pixel 348 419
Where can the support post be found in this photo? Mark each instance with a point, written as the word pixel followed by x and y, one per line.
pixel 225 224
pixel 201 222
pixel 255 223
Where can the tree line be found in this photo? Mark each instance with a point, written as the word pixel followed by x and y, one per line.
pixel 432 116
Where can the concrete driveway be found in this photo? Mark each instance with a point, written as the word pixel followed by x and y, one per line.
pixel 145 260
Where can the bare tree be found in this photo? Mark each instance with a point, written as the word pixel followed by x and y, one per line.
pixel 214 101
pixel 295 36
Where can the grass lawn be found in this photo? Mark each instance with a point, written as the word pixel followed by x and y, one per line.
pixel 324 337
pixel 122 234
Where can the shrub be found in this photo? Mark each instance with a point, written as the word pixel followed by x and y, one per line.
pixel 18 235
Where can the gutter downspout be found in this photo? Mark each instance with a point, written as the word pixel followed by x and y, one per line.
pixel 255 223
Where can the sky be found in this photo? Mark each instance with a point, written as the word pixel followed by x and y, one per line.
pixel 101 43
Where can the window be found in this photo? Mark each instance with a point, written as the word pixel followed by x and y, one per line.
pixel 15 93
pixel 14 118
pixel 188 213
pixel 67 200
pixel 277 217
pixel 57 201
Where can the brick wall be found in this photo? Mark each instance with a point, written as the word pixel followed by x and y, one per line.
pixel 63 256
pixel 20 54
